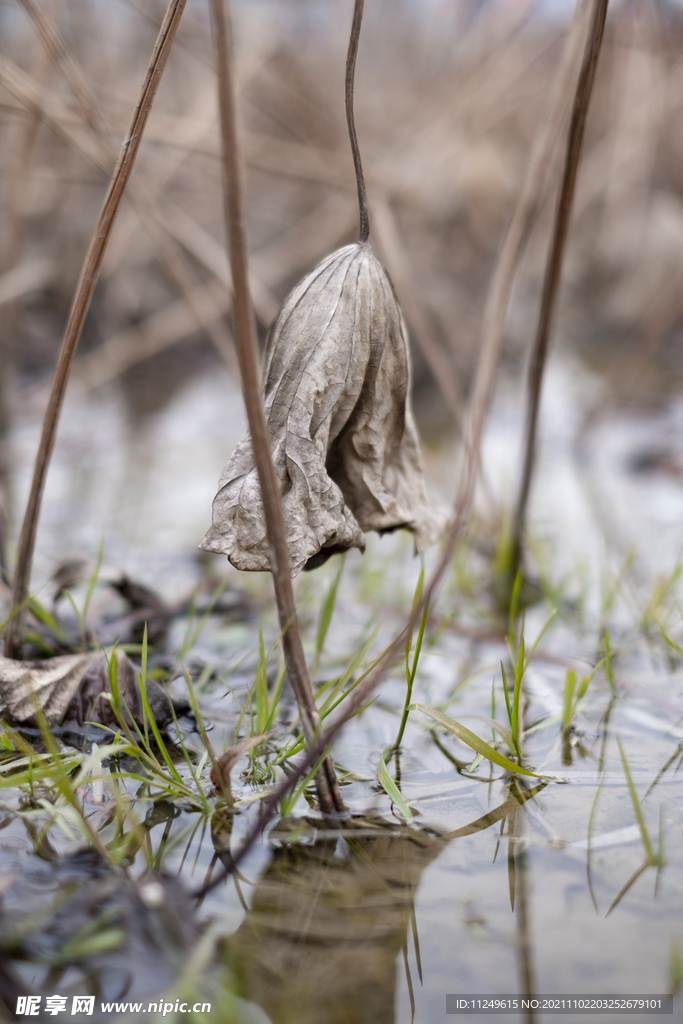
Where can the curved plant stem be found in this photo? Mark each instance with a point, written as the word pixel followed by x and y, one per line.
pixel 480 403
pixel 528 201
pixel 14 634
pixel 553 270
pixel 364 232
pixel 245 338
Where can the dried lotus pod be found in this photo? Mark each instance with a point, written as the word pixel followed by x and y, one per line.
pixel 345 447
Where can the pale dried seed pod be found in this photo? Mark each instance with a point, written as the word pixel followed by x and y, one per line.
pixel 337 399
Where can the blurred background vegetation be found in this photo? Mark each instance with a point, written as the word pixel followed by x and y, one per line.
pixel 449 97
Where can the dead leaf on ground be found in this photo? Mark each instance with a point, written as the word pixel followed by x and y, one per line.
pixel 74 688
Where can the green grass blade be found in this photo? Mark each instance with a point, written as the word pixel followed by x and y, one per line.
pixel 608 663
pixel 569 687
pixel 334 698
pixel 473 741
pixel 147 711
pixel 418 644
pixel 496 727
pixel 507 693
pixel 514 608
pixel 583 686
pixel 92 583
pixel 288 802
pixel 326 613
pixel 274 705
pixel 261 686
pixel 544 628
pixel 625 888
pixel 647 845
pixel 43 615
pixel 516 701
pixel 413 670
pixel 589 837
pixel 389 786
pixel 672 643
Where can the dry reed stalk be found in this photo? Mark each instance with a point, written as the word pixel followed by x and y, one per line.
pixel 11 256
pixel 159 222
pixel 4 565
pixel 157 332
pixel 516 235
pixel 49 109
pixel 364 229
pixel 292 159
pixel 638 87
pixel 142 196
pixel 496 306
pixel 582 96
pixel 245 337
pixel 14 634
pixel 402 277
pixel 175 321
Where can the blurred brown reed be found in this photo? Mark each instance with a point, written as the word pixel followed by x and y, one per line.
pixel 14 631
pixel 447 112
pixel 553 271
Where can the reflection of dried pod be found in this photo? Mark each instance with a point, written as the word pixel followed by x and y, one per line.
pixel 337 380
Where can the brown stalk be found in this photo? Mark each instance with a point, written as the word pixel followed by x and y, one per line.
pixel 364 232
pixel 173 322
pixel 247 354
pixel 497 306
pixel 11 257
pixel 528 202
pixel 14 634
pixel 387 234
pixel 177 225
pixel 582 96
pixel 162 329
pixel 143 199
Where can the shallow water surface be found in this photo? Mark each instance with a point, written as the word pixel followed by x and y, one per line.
pixel 497 884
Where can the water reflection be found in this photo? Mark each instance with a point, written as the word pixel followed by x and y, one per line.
pixel 331 914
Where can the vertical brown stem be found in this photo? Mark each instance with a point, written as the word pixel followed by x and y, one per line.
pixel 143 201
pixel 498 297
pixel 14 634
pixel 553 268
pixel 245 338
pixel 13 249
pixel 364 232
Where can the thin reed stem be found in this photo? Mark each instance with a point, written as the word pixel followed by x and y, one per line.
pixel 364 232
pixel 528 202
pixel 15 236
pixel 14 634
pixel 247 354
pixel 143 200
pixel 553 270
pixel 480 403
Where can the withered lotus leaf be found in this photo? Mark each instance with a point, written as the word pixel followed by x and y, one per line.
pixel 344 443
pixel 51 683
pixel 74 688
